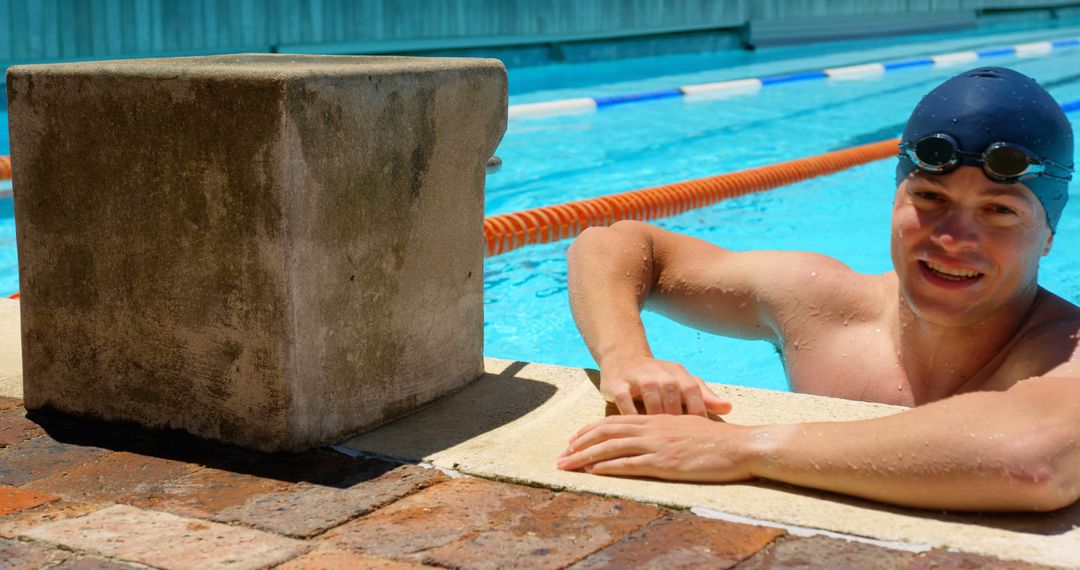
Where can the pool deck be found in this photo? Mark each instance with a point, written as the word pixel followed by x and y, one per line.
pixel 467 483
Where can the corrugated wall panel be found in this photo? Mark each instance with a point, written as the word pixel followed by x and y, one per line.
pixel 42 30
pixel 18 36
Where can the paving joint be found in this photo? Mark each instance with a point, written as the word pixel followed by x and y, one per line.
pixel 805 532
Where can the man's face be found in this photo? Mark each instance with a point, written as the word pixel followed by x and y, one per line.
pixel 966 247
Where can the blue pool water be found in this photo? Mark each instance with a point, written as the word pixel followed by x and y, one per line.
pixel 638 145
pixel 9 267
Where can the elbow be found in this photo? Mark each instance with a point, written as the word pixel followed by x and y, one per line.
pixel 598 242
pixel 1044 475
pixel 585 247
pixel 1044 488
pixel 620 230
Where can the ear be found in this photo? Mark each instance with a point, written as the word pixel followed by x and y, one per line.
pixel 1049 244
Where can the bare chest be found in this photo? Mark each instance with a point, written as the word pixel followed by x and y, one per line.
pixel 862 362
pixel 856 362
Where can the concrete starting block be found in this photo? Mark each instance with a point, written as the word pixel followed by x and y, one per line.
pixel 270 250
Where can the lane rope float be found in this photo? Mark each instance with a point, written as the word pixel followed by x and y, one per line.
pixel 752 85
pixel 507 232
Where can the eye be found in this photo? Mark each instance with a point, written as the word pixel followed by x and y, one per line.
pixel 928 195
pixel 1001 210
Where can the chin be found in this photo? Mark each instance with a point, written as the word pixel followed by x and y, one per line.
pixel 961 306
pixel 946 314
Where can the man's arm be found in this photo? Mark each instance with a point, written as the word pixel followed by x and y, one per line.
pixel 1012 450
pixel 615 271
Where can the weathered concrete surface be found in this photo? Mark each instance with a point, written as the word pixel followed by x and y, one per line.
pixel 511 425
pixel 10 354
pixel 274 251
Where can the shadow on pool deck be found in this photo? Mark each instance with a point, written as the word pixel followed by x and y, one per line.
pixel 319 466
pixel 516 396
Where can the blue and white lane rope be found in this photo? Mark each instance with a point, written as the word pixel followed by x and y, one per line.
pixel 753 85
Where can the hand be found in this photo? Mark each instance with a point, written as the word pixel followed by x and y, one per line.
pixel 677 448
pixel 664 387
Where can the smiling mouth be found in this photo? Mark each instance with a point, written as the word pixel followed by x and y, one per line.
pixel 950 274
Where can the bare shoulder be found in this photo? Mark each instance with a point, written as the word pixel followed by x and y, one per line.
pixel 1049 345
pixel 812 283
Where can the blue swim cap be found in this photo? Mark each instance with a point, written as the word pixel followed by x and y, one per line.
pixel 995 104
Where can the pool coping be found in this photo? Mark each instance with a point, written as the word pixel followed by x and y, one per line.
pixel 511 424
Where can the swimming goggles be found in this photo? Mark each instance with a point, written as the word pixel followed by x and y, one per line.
pixel 1005 162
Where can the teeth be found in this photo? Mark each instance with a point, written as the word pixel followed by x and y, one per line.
pixel 953 273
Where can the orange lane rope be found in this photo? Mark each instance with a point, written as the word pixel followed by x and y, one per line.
pixel 506 232
pixel 5 167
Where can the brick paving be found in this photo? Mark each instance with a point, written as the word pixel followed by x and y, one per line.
pixel 89 495
pixel 14 499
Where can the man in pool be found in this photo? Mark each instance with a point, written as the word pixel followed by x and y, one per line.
pixel 961 331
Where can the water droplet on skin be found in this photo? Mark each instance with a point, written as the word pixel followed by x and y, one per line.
pixel 900 388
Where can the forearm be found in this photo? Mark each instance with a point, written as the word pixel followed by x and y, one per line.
pixel 610 272
pixel 980 451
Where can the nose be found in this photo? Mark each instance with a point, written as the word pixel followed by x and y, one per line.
pixel 956 231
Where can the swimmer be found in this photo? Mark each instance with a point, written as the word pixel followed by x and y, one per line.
pixel 961 332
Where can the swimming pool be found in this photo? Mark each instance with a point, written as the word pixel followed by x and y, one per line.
pixel 846 215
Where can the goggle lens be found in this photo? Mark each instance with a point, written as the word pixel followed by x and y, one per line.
pixel 1006 162
pixel 935 153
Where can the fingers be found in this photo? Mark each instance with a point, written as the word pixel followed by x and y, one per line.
pixel 673 399
pixel 653 400
pixel 693 400
pixel 606 429
pixel 632 466
pixel 607 450
pixel 662 387
pixel 581 432
pixel 625 402
pixel 602 431
pixel 714 403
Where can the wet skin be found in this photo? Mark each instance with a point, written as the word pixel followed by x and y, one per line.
pixel 960 330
